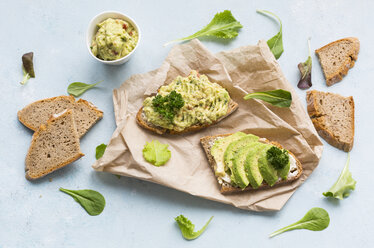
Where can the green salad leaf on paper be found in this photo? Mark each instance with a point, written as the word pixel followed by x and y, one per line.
pixel 27 67
pixel 156 153
pixel 92 201
pixel 77 88
pixel 316 219
pixel 276 42
pixel 305 69
pixel 279 98
pixel 345 183
pixel 100 149
pixel 223 25
pixel 188 229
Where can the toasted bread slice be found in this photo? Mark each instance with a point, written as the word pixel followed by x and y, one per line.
pixel 337 58
pixel 54 145
pixel 37 113
pixel 226 188
pixel 333 116
pixel 140 119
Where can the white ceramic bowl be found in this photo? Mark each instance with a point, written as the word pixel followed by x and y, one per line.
pixel 92 29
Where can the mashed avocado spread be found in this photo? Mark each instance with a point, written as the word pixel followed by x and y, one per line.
pixel 114 39
pixel 204 103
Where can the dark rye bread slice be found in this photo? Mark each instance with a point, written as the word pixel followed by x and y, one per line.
pixel 140 119
pixel 37 113
pixel 54 145
pixel 333 116
pixel 337 57
pixel 226 188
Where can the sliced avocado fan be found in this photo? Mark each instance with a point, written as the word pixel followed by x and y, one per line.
pixel 218 149
pixel 251 164
pixel 234 147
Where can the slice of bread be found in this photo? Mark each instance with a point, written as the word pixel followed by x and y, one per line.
pixel 37 113
pixel 226 188
pixel 140 119
pixel 54 145
pixel 337 58
pixel 333 117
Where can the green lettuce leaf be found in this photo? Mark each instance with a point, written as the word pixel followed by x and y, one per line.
pixel 100 149
pixel 156 153
pixel 223 25
pixel 188 229
pixel 343 185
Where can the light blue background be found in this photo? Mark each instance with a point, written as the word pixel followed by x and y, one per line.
pixel 140 214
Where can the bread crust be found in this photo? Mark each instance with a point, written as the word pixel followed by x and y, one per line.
pixel 71 99
pixel 318 120
pixel 51 99
pixel 143 123
pixel 225 188
pixel 346 65
pixel 42 128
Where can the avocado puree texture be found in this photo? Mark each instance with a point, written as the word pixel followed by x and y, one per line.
pixel 245 161
pixel 204 102
pixel 114 39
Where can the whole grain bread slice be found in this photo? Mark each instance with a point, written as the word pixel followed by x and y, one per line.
pixel 37 113
pixel 333 117
pixel 226 188
pixel 337 57
pixel 54 145
pixel 140 119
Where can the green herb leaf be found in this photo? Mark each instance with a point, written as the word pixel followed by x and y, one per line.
pixel 156 153
pixel 167 106
pixel 305 69
pixel 343 185
pixel 28 64
pixel 223 25
pixel 188 229
pixel 25 78
pixel 27 67
pixel 316 219
pixel 278 158
pixel 77 88
pixel 279 98
pixel 100 149
pixel 92 201
pixel 275 43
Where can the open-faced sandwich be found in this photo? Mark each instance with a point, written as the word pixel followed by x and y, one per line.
pixel 244 161
pixel 186 104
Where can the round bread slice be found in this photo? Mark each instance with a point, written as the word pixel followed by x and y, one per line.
pixel 226 188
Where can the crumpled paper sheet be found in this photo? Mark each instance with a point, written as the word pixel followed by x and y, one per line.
pixel 245 69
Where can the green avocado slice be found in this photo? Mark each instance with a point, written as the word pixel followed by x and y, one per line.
pixel 238 170
pixel 251 164
pixel 218 149
pixel 268 172
pixel 234 146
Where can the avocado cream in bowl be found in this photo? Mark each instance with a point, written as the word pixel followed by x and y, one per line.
pixel 112 37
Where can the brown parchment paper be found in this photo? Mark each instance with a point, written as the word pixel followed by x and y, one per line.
pixel 242 70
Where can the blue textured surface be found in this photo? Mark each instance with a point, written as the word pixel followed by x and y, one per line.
pixel 140 214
